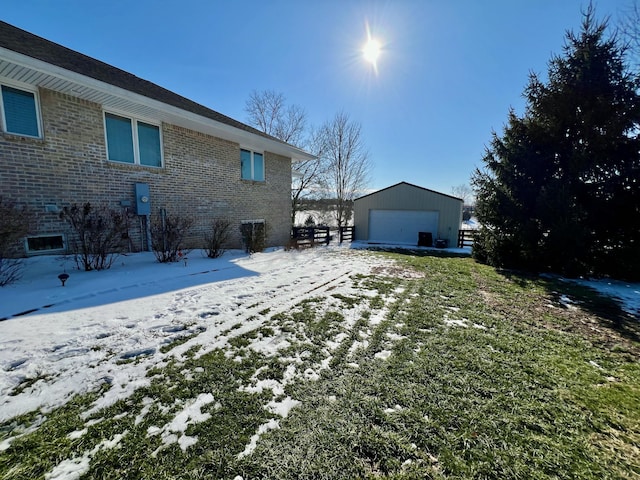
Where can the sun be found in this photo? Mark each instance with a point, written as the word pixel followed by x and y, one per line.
pixel 371 51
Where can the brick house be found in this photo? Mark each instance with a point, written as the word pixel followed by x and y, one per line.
pixel 75 130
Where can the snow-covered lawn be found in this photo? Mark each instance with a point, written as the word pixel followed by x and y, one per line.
pixel 81 334
pixel 78 336
pixel 116 326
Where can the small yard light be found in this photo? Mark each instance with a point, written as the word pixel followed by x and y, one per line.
pixel 63 277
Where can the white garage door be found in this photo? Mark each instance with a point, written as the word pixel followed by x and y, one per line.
pixel 401 226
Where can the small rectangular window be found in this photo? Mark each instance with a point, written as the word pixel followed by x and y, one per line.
pixel 20 112
pixel 132 141
pixel 251 165
pixel 45 244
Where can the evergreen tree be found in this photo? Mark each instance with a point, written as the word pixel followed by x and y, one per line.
pixel 560 189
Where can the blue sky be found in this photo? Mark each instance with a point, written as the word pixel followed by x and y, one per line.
pixel 447 76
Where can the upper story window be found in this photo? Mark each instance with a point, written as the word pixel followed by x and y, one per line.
pixel 19 111
pixel 132 141
pixel 251 165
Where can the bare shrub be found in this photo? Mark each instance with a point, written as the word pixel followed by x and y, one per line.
pixel 14 225
pixel 102 233
pixel 217 237
pixel 10 270
pixel 167 236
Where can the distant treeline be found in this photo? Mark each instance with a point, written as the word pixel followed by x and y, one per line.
pixel 321 204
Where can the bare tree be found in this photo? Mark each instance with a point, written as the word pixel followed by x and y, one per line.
pixel 308 174
pixel 630 29
pixel 268 111
pixel 464 192
pixel 348 165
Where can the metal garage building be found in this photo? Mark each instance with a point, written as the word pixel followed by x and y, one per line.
pixel 398 213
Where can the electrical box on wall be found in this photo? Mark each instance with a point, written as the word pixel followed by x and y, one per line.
pixel 143 199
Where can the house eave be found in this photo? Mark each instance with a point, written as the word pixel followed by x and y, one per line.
pixel 26 70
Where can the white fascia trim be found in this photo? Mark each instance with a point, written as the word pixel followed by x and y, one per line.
pixel 232 133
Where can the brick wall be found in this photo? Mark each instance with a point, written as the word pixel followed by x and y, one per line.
pixel 200 177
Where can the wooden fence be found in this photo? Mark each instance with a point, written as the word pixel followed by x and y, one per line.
pixel 466 238
pixel 347 233
pixel 309 236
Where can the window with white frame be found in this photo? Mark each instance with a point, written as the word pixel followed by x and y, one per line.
pixel 132 141
pixel 251 165
pixel 19 110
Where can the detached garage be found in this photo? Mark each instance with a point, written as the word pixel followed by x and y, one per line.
pixel 405 213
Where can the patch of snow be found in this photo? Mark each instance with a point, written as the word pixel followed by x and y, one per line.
pixel 394 337
pixel 283 407
pixel 567 302
pixel 471 224
pixel 378 317
pixel 74 468
pixel 324 364
pixel 77 434
pixel 594 364
pixel 357 346
pixel 384 354
pixel 396 408
pixel 147 403
pixel 310 374
pixel 6 443
pixel 266 384
pixel 337 341
pixel 455 323
pixel 270 346
pixel 174 431
pixel 627 294
pixel 253 442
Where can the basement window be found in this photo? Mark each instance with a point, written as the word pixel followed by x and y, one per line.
pixel 254 235
pixel 45 244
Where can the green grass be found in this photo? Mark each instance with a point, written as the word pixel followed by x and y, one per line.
pixel 466 372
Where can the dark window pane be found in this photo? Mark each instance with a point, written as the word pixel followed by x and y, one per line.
pixel 119 138
pixel 20 111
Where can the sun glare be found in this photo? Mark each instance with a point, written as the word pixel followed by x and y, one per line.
pixel 371 51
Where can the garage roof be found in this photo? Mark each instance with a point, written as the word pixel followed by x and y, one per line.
pixel 410 185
